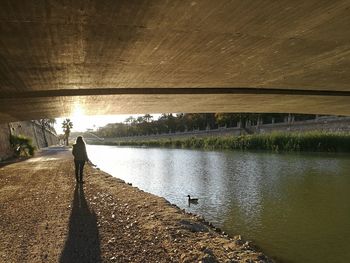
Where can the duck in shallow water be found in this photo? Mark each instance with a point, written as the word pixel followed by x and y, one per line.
pixel 192 200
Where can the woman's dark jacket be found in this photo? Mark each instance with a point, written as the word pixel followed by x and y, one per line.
pixel 79 152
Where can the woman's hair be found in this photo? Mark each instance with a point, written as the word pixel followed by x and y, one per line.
pixel 80 140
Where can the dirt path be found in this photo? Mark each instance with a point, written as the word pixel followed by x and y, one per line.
pixel 46 217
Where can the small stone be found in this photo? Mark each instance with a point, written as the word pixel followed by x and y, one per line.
pixel 262 257
pixel 229 246
pixel 112 240
pixel 208 251
pixel 209 259
pixel 239 242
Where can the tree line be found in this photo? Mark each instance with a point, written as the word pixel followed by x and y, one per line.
pixel 182 122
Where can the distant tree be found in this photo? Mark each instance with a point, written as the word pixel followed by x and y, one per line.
pixel 147 117
pixel 140 119
pixel 223 119
pixel 67 125
pixel 167 122
pixel 181 122
pixel 46 124
pixel 231 119
pixel 242 118
pixel 210 120
pixel 130 120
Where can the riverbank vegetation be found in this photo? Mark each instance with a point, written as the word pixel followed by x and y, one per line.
pixel 276 142
pixel 182 122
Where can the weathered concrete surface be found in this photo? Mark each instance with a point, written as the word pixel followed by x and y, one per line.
pixel 33 130
pixel 45 217
pixel 90 45
pixel 5 147
pixel 29 129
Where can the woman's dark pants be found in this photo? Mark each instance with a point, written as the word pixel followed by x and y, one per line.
pixel 79 169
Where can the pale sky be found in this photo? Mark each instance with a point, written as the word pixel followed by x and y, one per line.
pixel 83 122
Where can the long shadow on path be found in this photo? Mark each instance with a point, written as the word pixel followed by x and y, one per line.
pixel 82 244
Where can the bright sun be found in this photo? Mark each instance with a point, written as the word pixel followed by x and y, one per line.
pixel 82 122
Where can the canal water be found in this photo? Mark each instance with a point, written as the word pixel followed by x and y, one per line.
pixel 295 207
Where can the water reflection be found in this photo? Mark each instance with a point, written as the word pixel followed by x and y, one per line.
pixel 294 206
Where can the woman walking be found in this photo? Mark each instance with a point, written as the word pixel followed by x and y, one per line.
pixel 80 157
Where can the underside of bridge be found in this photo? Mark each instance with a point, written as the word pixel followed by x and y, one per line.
pixel 135 56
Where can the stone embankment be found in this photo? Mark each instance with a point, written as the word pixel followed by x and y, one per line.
pixel 46 217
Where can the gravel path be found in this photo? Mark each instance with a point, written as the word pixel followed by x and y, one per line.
pixel 46 217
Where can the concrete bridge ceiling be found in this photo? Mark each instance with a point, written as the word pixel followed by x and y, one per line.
pixel 134 56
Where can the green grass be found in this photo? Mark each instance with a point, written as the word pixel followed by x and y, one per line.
pixel 276 142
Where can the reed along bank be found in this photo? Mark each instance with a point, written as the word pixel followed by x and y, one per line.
pixel 275 142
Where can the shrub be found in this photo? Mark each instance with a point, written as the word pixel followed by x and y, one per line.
pixel 22 146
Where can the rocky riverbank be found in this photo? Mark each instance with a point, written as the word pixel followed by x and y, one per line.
pixel 48 218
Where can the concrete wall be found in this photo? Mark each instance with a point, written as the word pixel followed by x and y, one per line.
pixel 322 124
pixel 31 129
pixel 5 147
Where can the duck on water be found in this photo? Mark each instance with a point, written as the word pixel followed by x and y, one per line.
pixel 192 200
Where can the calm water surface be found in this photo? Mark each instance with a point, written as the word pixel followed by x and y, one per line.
pixel 296 207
